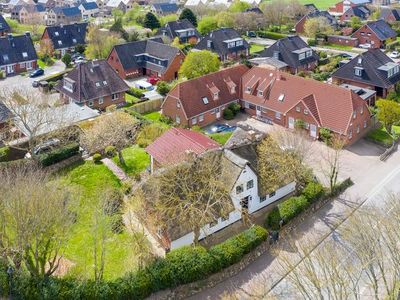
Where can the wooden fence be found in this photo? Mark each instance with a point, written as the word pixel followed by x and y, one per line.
pixel 147 106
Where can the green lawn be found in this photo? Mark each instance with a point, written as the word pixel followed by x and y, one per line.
pixel 130 99
pixel 381 136
pixel 153 116
pixel 42 64
pixel 254 48
pixel 221 137
pixel 136 160
pixel 90 180
pixel 339 47
pixel 321 4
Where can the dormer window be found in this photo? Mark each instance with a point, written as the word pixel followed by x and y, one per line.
pixel 276 55
pixel 105 82
pixel 393 71
pixel 98 83
pixel 68 85
pixel 209 44
pixel 248 90
pixel 216 95
pixel 260 93
pixel 358 71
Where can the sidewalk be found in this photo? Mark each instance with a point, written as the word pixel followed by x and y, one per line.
pixel 115 169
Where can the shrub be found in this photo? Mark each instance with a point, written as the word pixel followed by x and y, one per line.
pixel 97 158
pixel 110 151
pixel 312 42
pixel 138 93
pixel 4 153
pixel 66 59
pixel 234 107
pixel 325 135
pixel 113 203
pixel 149 133
pixel 228 114
pixel 117 224
pixel 163 88
pixel 313 191
pixel 2 74
pixel 59 154
pixel 166 120
pixel 300 124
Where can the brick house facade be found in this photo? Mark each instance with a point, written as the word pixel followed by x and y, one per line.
pixel 377 34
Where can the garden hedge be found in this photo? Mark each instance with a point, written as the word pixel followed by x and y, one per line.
pixel 271 35
pixel 59 154
pixel 183 265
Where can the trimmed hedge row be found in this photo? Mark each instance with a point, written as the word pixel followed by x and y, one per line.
pixel 293 206
pixel 180 266
pixel 271 35
pixel 59 154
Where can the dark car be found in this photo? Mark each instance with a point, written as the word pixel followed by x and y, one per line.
pixel 36 73
pixel 222 128
pixel 251 34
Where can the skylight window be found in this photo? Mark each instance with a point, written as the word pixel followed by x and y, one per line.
pixel 105 82
pixel 74 41
pixel 59 42
pixel 98 83
pixel 205 100
pixel 281 97
pixel 56 33
pixel 24 55
pixel 5 57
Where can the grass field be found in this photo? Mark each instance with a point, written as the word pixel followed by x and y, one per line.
pixel 321 4
pixel 221 137
pixel 381 136
pixel 90 180
pixel 136 160
pixel 254 48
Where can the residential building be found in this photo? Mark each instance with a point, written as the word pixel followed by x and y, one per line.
pixel 47 3
pixel 94 84
pixel 181 29
pixel 146 58
pixel 361 11
pixel 64 38
pixel 290 100
pixel 5 117
pixel 17 54
pixel 226 42
pixel 12 3
pixel 29 14
pixel 372 70
pixel 63 15
pixel 376 34
pixel 299 27
pixel 255 10
pixel 89 10
pixel 389 14
pixel 176 144
pixel 270 62
pixel 4 27
pixel 294 52
pixel 123 5
pixel 164 9
pixel 202 100
pixel 341 7
pixel 310 7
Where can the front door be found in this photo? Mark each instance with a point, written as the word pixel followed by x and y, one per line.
pixel 313 130
pixel 218 113
pixel 10 69
pixel 291 122
pixel 258 110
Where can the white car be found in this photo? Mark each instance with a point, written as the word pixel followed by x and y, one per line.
pixel 394 54
pixel 365 46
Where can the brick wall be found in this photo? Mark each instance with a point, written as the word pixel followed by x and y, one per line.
pixel 95 103
pixel 171 110
pixel 343 40
pixel 299 27
pixel 172 72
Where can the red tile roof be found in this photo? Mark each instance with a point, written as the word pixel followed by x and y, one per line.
pixel 191 92
pixel 332 106
pixel 176 143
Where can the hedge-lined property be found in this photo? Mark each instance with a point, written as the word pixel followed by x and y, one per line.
pixel 180 266
pixel 59 154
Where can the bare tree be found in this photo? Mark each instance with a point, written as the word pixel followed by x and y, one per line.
pixel 35 218
pixel 187 196
pixel 331 161
pixel 116 129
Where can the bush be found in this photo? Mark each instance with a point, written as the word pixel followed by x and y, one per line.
pixel 97 158
pixel 113 203
pixel 325 134
pixel 110 151
pixel 2 74
pixel 66 59
pixel 163 88
pixel 233 249
pixel 59 154
pixel 149 133
pixel 166 120
pixel 313 191
pixel 138 93
pixel 271 35
pixel 4 153
pixel 228 114
pixel 234 107
pixel 312 42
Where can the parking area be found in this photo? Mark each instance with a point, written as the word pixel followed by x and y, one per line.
pixel 151 94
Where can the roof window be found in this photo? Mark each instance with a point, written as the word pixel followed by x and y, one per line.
pixel 24 55
pixel 205 100
pixel 56 33
pixel 59 42
pixel 281 97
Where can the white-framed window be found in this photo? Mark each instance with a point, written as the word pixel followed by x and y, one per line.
pixel 201 118
pixel 90 103
pixel 250 184
pixel 194 121
pixel 22 65
pixel 114 96
pixel 246 105
pixel 281 97
pixel 239 189
pixel 209 44
pixel 350 134
pixel 98 83
pixel 24 55
pixel 278 115
pixel 298 109
pixel 248 90
pixel 101 100
pixel 362 110
pixel 358 128
pixel 260 93
pixel 178 104
pixel 177 119
pixel 272 194
pixel 74 41
pixel 354 114
pixel 233 90
pixel 60 42
pixel 263 198
pixel 104 82
pixel 305 111
pixel 358 71
pixel 365 124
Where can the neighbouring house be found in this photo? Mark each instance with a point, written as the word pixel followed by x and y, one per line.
pixel 175 145
pixel 310 7
pixel 341 7
pixel 270 62
pixel 17 54
pixel 371 70
pixel 376 34
pixel 182 29
pixel 389 14
pixel 146 58
pixel 361 11
pixel 293 101
pixel 255 10
pixel 4 27
pixel 368 95
pixel 29 14
pixel 12 3
pixel 202 100
pixel 299 27
pixel 226 42
pixel 63 15
pixel 5 117
pixel 47 3
pixel 89 10
pixel 64 38
pixel 123 5
pixel 240 174
pixel 94 84
pixel 164 9
pixel 294 52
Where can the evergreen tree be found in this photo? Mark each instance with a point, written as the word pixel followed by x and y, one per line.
pixel 151 21
pixel 189 15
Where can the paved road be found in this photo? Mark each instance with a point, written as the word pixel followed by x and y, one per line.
pixel 372 178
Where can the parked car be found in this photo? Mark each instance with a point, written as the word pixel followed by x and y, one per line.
pixel 153 80
pixel 77 56
pixel 222 128
pixel 79 61
pixel 43 147
pixel 144 85
pixel 394 54
pixel 365 46
pixel 251 34
pixel 36 73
